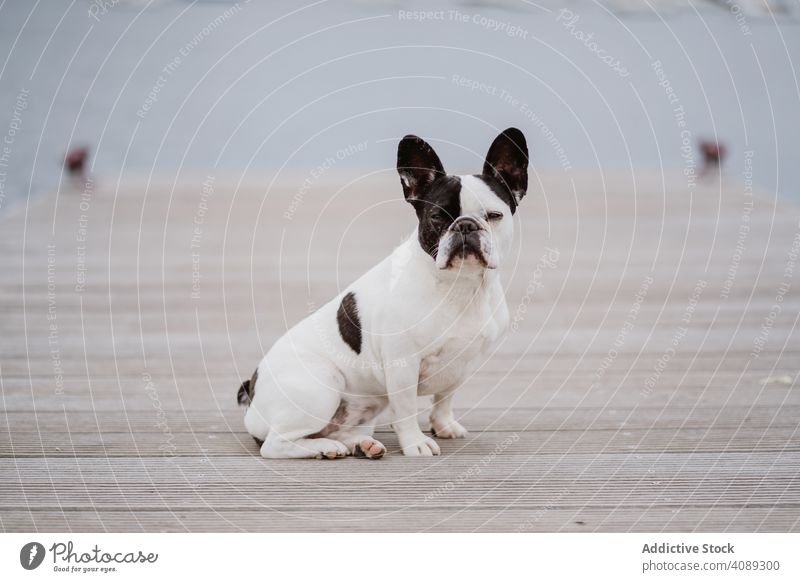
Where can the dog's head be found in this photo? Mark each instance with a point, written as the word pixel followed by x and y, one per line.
pixel 465 222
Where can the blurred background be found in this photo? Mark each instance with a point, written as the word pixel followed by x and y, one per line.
pixel 172 87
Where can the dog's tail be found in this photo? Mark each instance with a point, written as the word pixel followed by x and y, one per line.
pixel 247 390
pixel 243 396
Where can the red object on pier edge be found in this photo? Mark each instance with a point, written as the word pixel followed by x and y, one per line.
pixel 75 161
pixel 713 152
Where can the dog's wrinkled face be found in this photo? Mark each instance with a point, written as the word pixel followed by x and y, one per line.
pixel 465 221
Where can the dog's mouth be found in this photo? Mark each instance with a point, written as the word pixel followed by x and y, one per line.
pixel 466 247
pixel 463 250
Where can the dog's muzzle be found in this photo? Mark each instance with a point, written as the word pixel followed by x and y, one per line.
pixel 465 240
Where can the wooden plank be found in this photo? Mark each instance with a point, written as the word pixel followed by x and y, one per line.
pixel 496 392
pixel 482 419
pixel 128 365
pixel 164 442
pixel 496 494
pixel 249 468
pixel 476 519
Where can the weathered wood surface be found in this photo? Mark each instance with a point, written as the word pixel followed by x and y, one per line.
pixel 650 381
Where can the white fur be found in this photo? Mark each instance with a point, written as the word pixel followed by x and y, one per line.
pixel 423 330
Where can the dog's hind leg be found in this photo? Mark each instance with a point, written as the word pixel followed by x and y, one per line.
pixel 357 424
pixel 299 409
pixel 363 445
pixel 276 447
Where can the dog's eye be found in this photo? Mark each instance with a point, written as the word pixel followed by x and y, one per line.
pixel 438 217
pixel 494 215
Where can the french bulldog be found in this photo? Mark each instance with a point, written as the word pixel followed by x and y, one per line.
pixel 414 325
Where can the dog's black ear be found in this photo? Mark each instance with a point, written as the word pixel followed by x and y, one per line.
pixel 418 166
pixel 507 162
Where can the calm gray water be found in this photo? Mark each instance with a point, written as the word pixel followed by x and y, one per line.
pixel 185 87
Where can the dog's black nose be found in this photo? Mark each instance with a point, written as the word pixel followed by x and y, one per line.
pixel 465 225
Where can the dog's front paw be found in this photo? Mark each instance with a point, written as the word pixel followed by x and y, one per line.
pixel 421 447
pixel 451 430
pixel 327 449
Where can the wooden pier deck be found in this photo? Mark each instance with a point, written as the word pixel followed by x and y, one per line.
pixel 649 383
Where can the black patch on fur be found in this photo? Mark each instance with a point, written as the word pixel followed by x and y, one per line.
pixel 435 196
pixel 349 322
pixel 247 390
pixel 437 208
